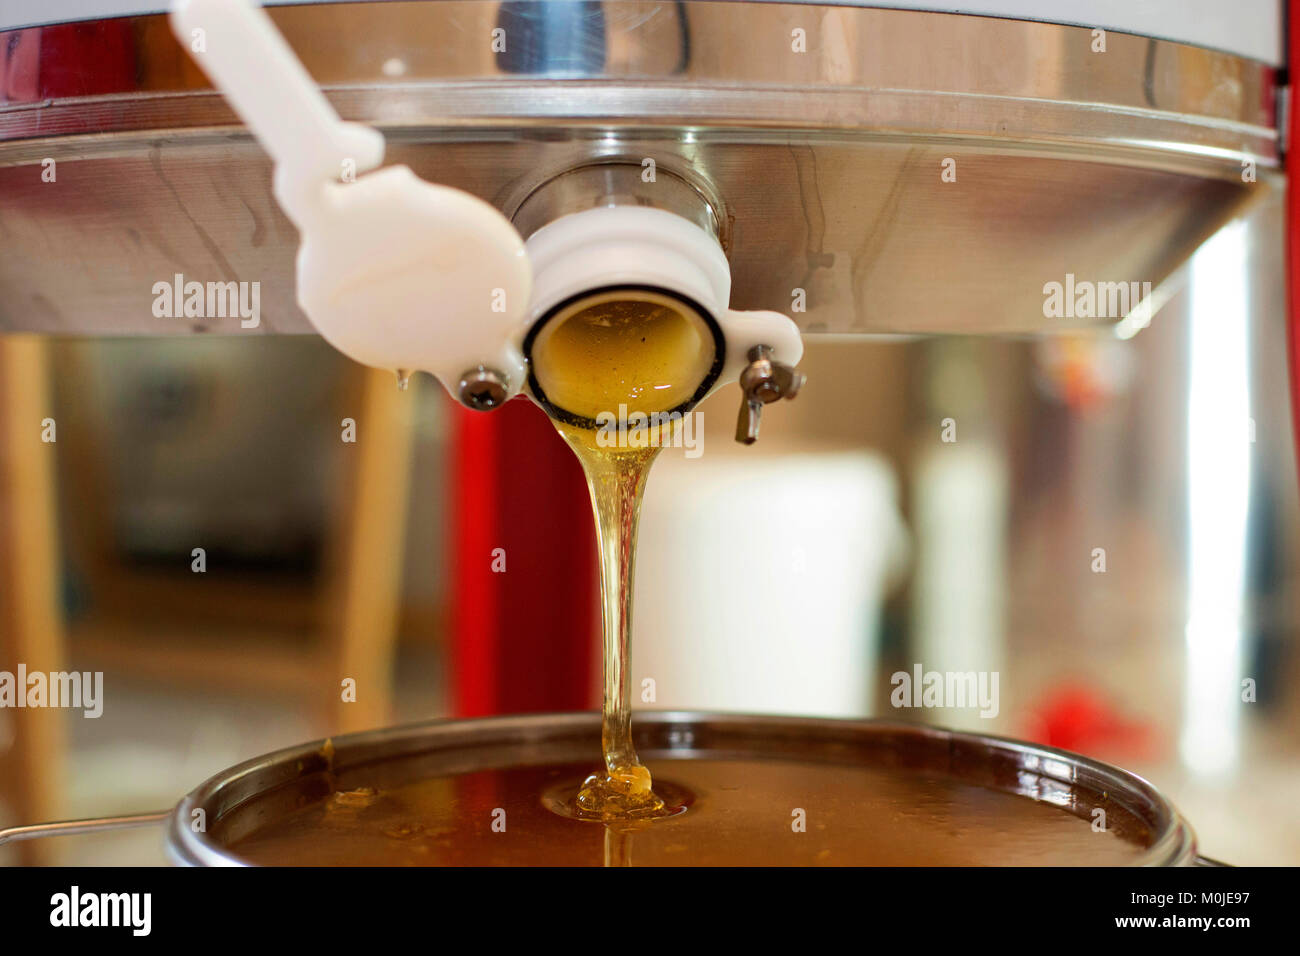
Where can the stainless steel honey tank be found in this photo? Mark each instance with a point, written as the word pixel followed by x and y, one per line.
pixel 908 171
pixel 824 171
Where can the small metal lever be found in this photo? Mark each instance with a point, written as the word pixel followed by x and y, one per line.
pixel 763 381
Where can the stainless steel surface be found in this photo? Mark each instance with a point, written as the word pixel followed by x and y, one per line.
pixel 1251 28
pixel 763 381
pixel 614 183
pixel 453 747
pixel 77 827
pixel 826 164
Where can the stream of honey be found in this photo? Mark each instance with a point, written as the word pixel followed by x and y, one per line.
pixel 603 362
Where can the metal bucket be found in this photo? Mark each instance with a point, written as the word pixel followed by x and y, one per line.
pixel 288 779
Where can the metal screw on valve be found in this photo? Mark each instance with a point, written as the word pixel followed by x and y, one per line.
pixel 763 381
pixel 483 389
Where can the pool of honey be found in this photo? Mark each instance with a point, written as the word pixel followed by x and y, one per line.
pixel 738 812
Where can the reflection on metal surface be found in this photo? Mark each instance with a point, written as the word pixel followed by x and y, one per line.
pixel 1218 499
pixel 630 183
pixel 78 827
pixel 826 164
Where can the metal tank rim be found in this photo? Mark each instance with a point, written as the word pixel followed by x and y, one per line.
pixel 658 732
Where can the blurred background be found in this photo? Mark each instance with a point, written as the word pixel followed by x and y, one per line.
pixel 1111 531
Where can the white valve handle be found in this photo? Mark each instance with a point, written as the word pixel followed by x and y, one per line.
pixel 245 57
pixel 404 274
pixel 393 271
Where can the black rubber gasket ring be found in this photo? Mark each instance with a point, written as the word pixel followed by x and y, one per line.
pixel 577 421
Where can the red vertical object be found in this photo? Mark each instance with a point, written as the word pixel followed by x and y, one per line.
pixel 475 625
pixel 522 639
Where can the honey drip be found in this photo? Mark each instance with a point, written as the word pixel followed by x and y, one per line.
pixel 645 353
pixel 616 479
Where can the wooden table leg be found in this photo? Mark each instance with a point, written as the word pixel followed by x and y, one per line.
pixel 31 626
pixel 364 580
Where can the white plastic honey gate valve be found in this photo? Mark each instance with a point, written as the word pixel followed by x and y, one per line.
pixel 394 271
pixel 643 247
pixel 407 275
